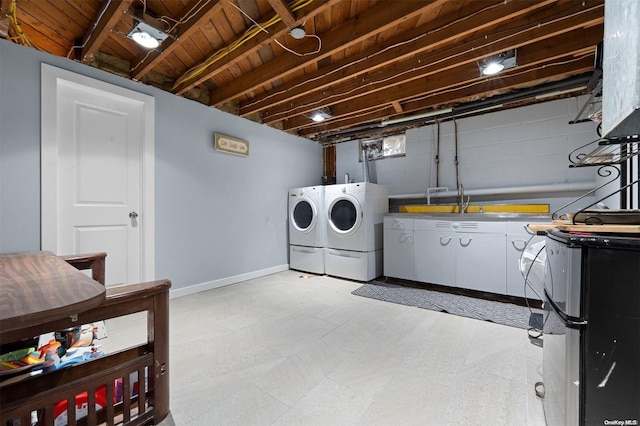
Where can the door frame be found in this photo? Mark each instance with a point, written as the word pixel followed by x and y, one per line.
pixel 51 78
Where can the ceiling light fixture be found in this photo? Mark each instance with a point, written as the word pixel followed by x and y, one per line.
pixel 320 115
pixel 298 33
pixel 496 63
pixel 146 35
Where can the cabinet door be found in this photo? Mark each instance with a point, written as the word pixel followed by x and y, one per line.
pixel 481 262
pixel 516 245
pixel 398 253
pixel 434 258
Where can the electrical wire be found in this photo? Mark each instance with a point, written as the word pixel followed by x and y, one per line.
pixel 376 53
pixel 302 54
pixel 185 18
pixel 276 40
pixel 428 63
pixel 251 32
pixel 16 34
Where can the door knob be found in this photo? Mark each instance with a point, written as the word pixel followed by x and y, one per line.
pixel 133 215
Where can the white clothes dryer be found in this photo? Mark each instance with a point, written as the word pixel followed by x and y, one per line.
pixel 355 215
pixel 307 229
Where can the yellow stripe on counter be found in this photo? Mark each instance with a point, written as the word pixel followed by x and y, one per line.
pixel 475 208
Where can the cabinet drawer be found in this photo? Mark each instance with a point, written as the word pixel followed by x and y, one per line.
pixel 431 224
pixel 479 226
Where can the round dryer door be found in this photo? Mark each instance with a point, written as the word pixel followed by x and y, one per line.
pixel 304 215
pixel 345 215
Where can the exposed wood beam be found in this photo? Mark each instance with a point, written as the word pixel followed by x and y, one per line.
pixel 482 90
pixel 421 66
pixel 5 21
pixel 427 36
pixel 348 80
pixel 397 107
pixel 446 80
pixel 253 45
pixel 101 27
pixel 382 16
pixel 283 11
pixel 145 64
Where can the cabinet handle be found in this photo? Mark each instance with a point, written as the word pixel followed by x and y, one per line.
pixel 405 237
pixel 516 244
pixel 467 243
pixel 528 230
pixel 443 242
pixel 398 225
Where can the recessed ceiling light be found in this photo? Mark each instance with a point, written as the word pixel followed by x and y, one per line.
pixel 145 40
pixel 146 35
pixel 320 116
pixel 496 63
pixel 492 68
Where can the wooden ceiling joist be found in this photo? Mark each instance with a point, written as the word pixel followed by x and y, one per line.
pixel 426 37
pixel 283 11
pixel 253 46
pixel 374 20
pixel 418 65
pixel 99 31
pixel 145 64
pixel 449 60
pixel 450 79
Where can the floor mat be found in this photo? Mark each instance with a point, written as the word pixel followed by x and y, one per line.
pixel 486 310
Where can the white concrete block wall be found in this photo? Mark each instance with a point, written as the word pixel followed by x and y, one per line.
pixel 518 147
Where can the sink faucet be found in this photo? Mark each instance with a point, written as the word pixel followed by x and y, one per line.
pixel 463 206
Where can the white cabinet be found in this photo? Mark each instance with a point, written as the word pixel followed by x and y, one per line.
pixel 398 247
pixel 480 255
pixel 472 254
pixel 465 254
pixel 434 252
pixel 480 262
pixel 518 237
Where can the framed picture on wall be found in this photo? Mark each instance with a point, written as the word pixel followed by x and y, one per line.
pixel 231 145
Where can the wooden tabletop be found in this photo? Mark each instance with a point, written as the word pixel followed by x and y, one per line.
pixel 565 225
pixel 39 287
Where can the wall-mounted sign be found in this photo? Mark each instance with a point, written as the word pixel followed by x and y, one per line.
pixel 231 145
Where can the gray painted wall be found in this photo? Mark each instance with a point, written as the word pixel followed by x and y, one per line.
pixel 218 216
pixel 512 148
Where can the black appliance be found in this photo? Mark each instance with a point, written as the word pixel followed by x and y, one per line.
pixel 591 351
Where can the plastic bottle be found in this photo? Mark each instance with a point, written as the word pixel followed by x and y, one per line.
pixel 50 353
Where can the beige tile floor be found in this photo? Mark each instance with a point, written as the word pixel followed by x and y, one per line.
pixel 294 349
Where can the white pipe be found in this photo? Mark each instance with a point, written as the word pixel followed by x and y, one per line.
pixel 433 190
pixel 530 189
pixel 415 117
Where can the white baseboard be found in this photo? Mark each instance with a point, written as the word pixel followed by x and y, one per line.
pixel 198 288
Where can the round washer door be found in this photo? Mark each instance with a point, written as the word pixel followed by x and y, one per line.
pixel 304 215
pixel 345 215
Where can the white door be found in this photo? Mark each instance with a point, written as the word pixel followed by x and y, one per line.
pixel 95 158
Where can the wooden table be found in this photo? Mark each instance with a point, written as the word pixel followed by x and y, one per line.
pixel 39 287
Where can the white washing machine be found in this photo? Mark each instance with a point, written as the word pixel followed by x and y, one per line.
pixel 307 229
pixel 355 215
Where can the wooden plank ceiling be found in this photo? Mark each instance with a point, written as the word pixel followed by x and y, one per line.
pixel 375 66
